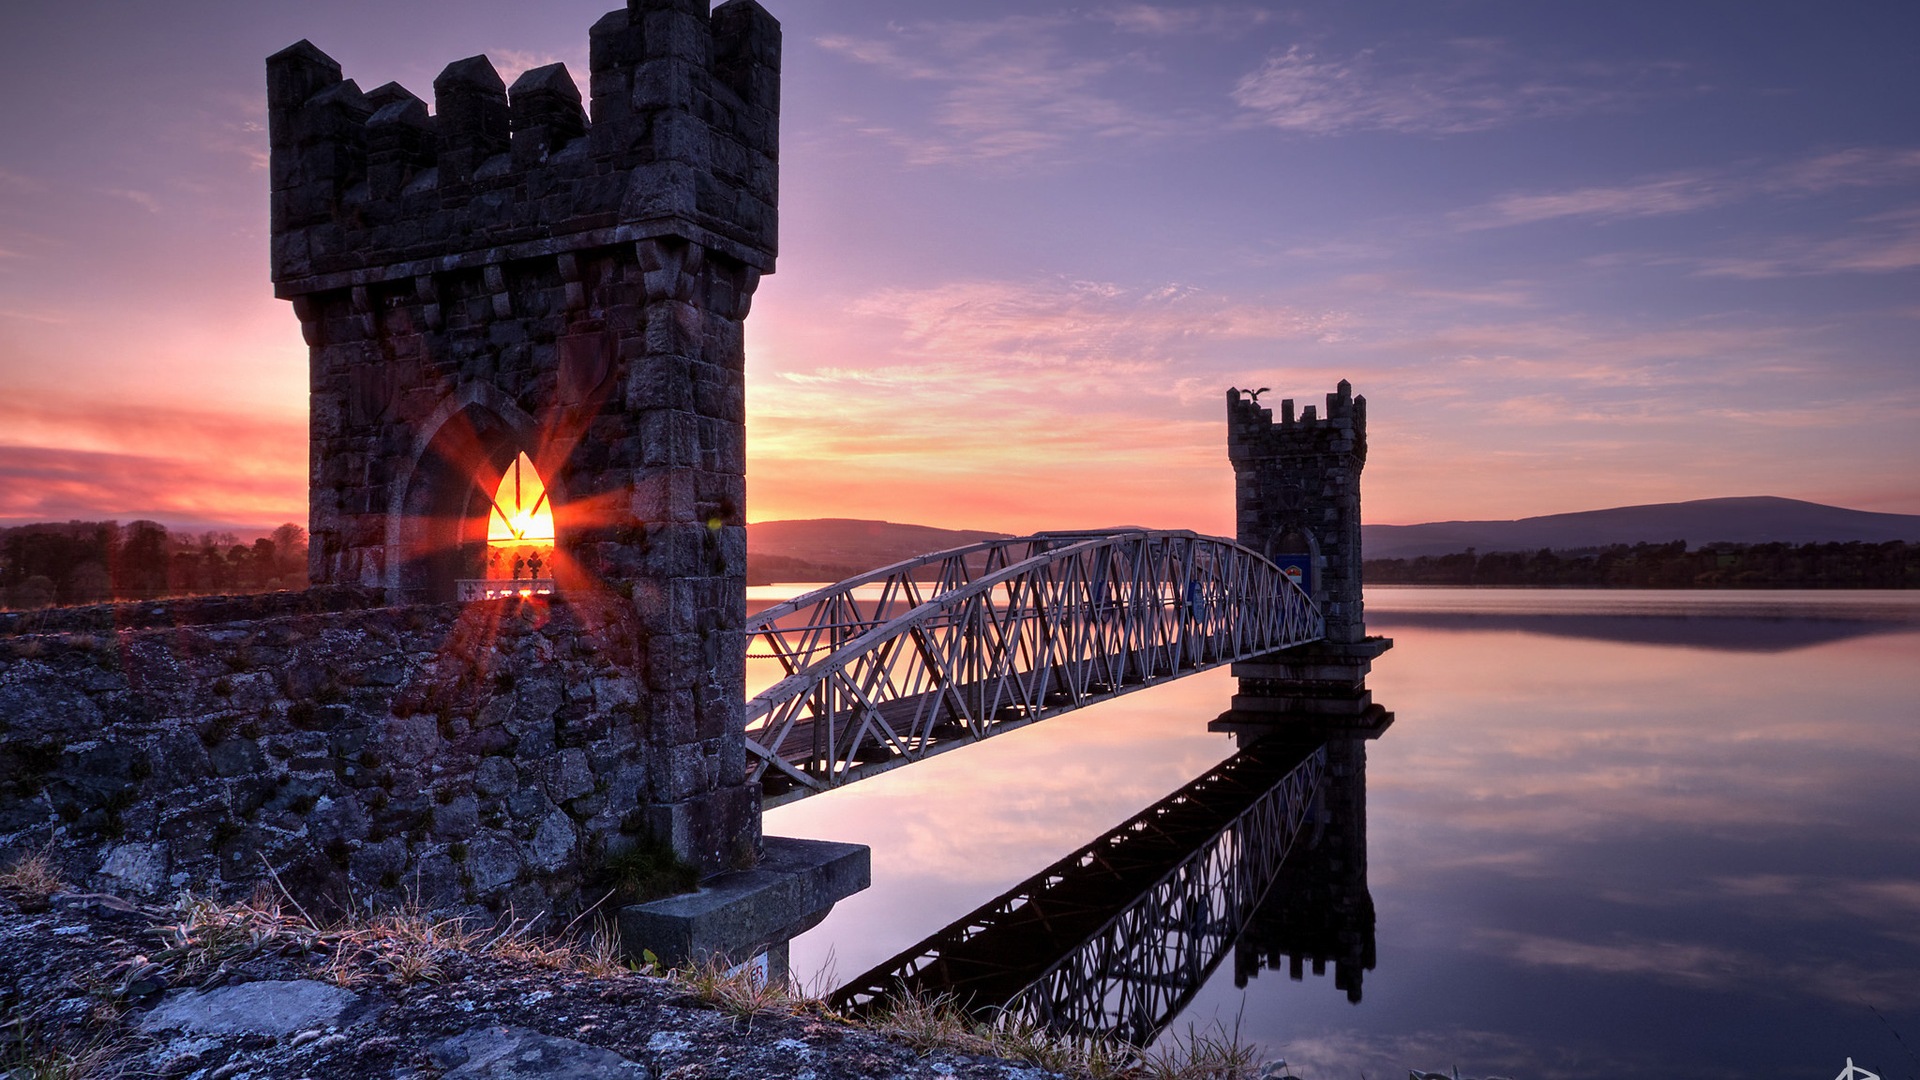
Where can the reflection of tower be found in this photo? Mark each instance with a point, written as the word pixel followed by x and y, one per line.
pixel 1319 908
pixel 1297 501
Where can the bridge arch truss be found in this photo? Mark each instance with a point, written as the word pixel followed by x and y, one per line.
pixel 934 652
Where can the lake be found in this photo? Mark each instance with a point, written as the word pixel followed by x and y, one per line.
pixel 1610 833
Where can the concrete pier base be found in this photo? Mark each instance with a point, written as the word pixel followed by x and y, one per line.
pixel 742 913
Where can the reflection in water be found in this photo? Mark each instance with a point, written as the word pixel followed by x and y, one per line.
pixel 1262 856
pixel 1318 910
pixel 1734 620
pixel 1589 858
pixel 1730 633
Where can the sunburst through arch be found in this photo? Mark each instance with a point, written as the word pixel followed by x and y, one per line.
pixel 520 534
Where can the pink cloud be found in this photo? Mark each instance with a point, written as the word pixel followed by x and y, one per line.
pixel 64 459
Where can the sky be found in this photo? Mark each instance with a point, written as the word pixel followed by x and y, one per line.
pixel 1575 255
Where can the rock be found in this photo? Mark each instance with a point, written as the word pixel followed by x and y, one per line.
pixel 552 843
pixel 140 869
pixel 516 1053
pixel 494 865
pixel 569 776
pixel 255 1008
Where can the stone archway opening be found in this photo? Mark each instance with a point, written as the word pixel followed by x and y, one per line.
pixel 474 503
pixel 1296 553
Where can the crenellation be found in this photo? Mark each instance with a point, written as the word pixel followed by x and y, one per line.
pixel 472 118
pixel 746 60
pixel 401 143
pixel 546 115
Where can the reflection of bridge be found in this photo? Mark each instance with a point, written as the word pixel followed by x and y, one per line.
pixel 1116 938
pixel 949 648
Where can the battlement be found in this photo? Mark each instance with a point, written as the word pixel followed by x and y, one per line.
pixel 683 141
pixel 1252 431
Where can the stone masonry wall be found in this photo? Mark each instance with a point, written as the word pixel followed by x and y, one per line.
pixel 493 754
pixel 1303 474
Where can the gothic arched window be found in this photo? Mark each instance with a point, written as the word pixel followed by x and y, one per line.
pixel 520 531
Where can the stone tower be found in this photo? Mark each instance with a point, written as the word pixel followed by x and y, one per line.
pixel 511 281
pixel 1297 501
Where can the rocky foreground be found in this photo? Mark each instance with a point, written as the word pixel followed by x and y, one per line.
pixel 95 986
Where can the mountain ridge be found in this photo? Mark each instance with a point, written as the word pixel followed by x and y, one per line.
pixel 1750 519
pixel 842 546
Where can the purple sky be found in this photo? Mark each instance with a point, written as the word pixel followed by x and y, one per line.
pixel 1575 254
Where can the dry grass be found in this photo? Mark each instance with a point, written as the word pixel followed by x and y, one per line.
pixel 402 947
pixel 26 1055
pixel 1201 1055
pixel 89 1063
pixel 940 1024
pixel 407 946
pixel 598 953
pixel 741 991
pixel 204 934
pixel 32 880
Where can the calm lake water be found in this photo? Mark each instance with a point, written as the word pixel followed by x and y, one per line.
pixel 1609 834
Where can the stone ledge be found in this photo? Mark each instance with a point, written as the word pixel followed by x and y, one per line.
pixel 740 913
pixel 1328 662
pixel 1363 719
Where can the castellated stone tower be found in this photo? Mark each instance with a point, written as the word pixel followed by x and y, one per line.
pixel 1297 501
pixel 505 296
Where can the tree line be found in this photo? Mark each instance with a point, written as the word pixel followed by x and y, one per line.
pixel 90 562
pixel 1855 565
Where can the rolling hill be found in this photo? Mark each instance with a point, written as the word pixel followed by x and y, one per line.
pixel 828 549
pixel 1752 520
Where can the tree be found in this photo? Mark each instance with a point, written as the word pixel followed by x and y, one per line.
pixel 141 571
pixel 34 592
pixel 290 555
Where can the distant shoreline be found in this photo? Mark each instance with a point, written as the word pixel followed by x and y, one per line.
pixel 1893 564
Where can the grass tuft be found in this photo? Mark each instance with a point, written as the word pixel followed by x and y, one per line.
pixel 25 1056
pixel 941 1024
pixel 32 881
pixel 740 990
pixel 401 947
pixel 1216 1054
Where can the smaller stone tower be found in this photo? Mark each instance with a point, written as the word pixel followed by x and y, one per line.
pixel 1297 501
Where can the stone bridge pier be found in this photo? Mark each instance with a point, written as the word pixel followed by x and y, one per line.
pixel 1297 501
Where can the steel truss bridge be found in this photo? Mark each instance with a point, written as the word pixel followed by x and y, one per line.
pixel 1116 938
pixel 949 648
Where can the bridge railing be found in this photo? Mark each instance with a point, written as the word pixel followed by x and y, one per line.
pixel 912 659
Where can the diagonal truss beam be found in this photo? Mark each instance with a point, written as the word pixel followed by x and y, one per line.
pixel 948 648
pixel 1115 938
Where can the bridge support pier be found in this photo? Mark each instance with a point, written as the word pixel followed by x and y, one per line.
pixel 1297 501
